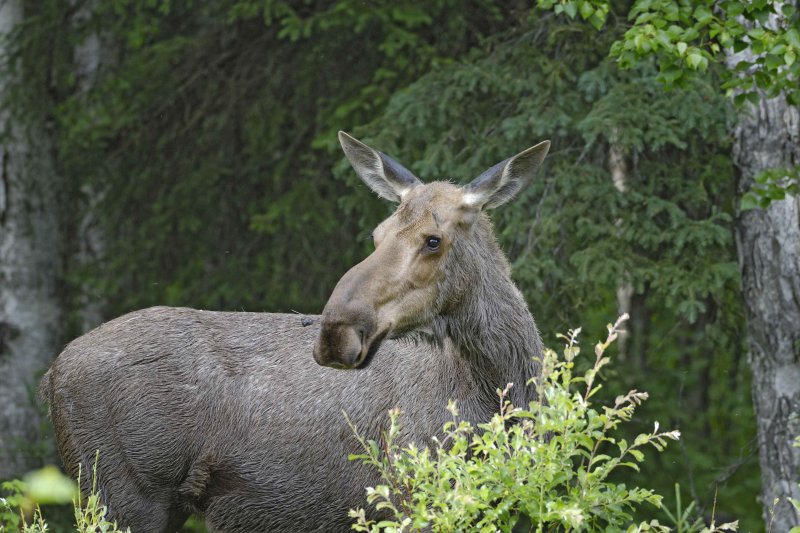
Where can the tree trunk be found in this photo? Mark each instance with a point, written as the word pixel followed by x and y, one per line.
pixel 89 236
pixel 30 263
pixel 619 174
pixel 768 136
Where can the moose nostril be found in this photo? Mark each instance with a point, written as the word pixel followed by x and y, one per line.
pixel 351 344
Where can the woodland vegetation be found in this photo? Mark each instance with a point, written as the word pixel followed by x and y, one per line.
pixel 184 153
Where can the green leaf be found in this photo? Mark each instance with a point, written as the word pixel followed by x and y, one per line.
pixel 749 201
pixel 49 486
pixel 663 39
pixel 637 454
pixel 681 47
pixel 757 33
pixel 630 465
pixel 775 193
pixel 739 45
pixel 793 37
pixel 789 57
pixel 773 61
pixel 597 21
pixel 762 16
pixel 674 31
pixel 703 15
pixel 586 9
pixel 696 61
pixel 778 49
pixel 734 9
pixel 671 75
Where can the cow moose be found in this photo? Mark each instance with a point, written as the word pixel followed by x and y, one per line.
pixel 238 416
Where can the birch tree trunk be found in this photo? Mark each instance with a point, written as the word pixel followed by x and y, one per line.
pixel 768 136
pixel 89 236
pixel 30 263
pixel 619 174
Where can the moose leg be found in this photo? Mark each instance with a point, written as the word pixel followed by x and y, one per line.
pixel 142 513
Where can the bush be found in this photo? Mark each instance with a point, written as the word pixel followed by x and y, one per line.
pixel 49 486
pixel 544 467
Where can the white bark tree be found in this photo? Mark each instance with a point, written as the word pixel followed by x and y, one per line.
pixel 90 242
pixel 768 240
pixel 767 136
pixel 30 265
pixel 619 175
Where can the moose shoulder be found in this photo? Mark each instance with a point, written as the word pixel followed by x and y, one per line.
pixel 228 415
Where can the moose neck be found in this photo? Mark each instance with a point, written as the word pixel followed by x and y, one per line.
pixel 496 336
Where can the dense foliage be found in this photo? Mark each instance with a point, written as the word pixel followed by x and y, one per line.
pixel 198 142
pixel 546 466
pixel 689 36
pixel 757 42
pixel 20 508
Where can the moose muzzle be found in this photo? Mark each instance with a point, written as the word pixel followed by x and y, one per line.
pixel 349 334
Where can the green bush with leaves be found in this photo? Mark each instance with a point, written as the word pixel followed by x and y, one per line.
pixel 21 499
pixel 49 485
pixel 548 466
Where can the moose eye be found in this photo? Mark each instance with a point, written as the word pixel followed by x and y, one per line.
pixel 432 243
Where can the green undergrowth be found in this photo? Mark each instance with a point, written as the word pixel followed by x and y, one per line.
pixel 20 508
pixel 548 466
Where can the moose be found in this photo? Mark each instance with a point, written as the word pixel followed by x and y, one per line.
pixel 238 416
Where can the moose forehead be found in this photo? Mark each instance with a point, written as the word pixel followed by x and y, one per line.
pixel 439 203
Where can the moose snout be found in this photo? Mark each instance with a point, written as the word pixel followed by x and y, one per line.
pixel 339 345
pixel 348 335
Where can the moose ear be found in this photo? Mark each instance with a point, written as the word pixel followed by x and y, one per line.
pixel 388 178
pixel 503 181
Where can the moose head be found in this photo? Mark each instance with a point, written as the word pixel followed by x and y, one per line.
pixel 429 254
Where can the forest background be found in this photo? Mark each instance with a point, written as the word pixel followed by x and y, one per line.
pixel 184 153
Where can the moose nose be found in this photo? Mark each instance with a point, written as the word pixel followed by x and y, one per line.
pixel 349 319
pixel 338 346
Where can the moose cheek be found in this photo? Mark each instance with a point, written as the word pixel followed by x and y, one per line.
pixel 406 313
pixel 426 271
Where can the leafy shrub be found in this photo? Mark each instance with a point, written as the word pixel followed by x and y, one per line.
pixel 49 486
pixel 11 504
pixel 22 499
pixel 90 516
pixel 544 467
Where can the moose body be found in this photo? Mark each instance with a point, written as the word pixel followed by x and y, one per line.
pixel 239 416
